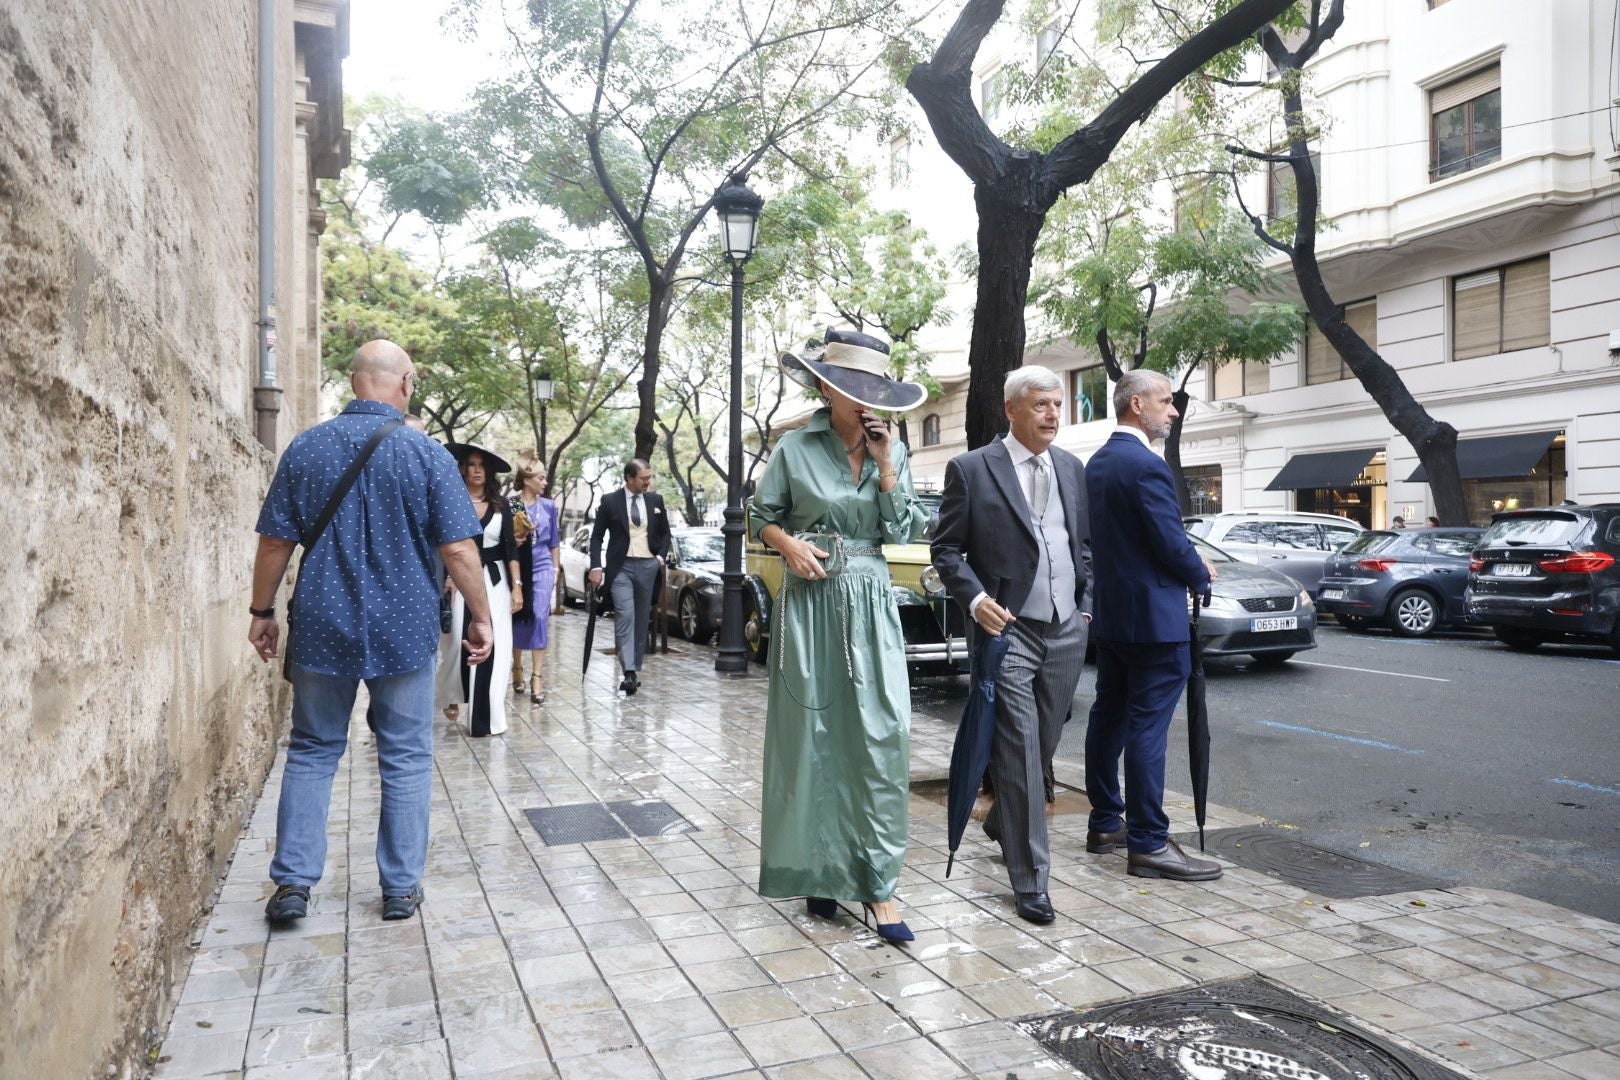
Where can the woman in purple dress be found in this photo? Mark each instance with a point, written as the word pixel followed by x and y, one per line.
pixel 537 564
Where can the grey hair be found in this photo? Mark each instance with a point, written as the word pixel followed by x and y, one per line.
pixel 1135 383
pixel 1021 380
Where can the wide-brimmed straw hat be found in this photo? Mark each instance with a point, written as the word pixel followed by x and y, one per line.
pixel 857 366
pixel 493 462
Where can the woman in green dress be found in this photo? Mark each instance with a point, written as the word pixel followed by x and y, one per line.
pixel 839 712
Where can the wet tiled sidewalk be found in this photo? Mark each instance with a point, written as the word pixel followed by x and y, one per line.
pixel 655 957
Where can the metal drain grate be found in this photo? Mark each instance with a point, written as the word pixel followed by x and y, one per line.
pixel 580 823
pixel 1249 1027
pixel 651 817
pixel 1307 866
pixel 583 823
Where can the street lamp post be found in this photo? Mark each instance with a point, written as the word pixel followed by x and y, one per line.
pixel 739 209
pixel 544 388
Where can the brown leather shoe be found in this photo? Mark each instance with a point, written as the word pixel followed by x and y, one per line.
pixel 1172 863
pixel 1104 843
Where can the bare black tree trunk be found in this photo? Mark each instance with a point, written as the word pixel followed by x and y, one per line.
pixel 1434 440
pixel 1014 189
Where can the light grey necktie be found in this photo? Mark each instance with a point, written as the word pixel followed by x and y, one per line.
pixel 1043 488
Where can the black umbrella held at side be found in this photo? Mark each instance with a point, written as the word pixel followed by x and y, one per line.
pixel 592 602
pixel 970 757
pixel 1198 721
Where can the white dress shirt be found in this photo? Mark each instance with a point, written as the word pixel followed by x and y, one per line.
pixel 1138 432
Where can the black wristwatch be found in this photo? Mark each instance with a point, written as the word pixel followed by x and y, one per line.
pixel 266 613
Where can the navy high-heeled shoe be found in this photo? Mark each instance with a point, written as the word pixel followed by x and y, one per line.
pixel 821 907
pixel 895 933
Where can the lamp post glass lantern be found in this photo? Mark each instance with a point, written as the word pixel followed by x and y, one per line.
pixel 544 389
pixel 738 209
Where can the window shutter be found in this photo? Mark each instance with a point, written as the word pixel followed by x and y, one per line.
pixel 1256 376
pixel 1363 319
pixel 1466 88
pixel 1321 361
pixel 1475 319
pixel 1526 305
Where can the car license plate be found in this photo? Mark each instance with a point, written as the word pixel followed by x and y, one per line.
pixel 1333 594
pixel 1512 569
pixel 1288 622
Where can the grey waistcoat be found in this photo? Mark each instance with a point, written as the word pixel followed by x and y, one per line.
pixel 1052 596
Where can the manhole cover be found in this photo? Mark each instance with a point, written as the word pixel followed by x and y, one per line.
pixel 651 817
pixel 1307 866
pixel 583 823
pixel 1248 1028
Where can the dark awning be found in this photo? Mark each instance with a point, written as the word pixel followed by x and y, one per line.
pixel 1496 456
pixel 1333 469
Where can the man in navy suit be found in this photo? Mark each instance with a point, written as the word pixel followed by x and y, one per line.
pixel 1145 568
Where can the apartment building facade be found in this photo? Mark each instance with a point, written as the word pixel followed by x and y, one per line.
pixel 1467 166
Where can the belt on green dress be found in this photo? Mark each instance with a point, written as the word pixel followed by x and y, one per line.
pixel 844 549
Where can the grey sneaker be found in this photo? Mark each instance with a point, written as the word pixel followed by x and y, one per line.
pixel 403 907
pixel 290 902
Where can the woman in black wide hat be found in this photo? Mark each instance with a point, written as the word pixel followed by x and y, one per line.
pixel 483 687
pixel 837 727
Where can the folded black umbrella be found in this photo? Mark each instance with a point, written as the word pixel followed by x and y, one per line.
pixel 971 754
pixel 592 602
pixel 1198 722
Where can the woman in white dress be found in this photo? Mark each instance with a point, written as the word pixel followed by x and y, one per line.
pixel 483 687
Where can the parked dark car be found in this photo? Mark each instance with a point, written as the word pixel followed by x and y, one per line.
pixel 1411 580
pixel 1254 610
pixel 1550 573
pixel 693 589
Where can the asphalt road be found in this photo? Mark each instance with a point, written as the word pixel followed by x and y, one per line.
pixel 1453 757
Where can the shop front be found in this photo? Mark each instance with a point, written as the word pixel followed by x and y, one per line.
pixel 1346 483
pixel 1508 472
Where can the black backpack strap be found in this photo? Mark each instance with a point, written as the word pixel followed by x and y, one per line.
pixel 346 481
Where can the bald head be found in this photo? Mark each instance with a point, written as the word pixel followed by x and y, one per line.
pixel 382 371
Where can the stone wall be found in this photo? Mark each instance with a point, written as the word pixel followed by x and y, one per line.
pixel 135 723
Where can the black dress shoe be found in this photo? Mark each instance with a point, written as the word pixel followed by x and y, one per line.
pixel 629 684
pixel 1104 843
pixel 1034 907
pixel 1172 863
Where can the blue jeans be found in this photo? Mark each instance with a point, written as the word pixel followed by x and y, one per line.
pixel 403 708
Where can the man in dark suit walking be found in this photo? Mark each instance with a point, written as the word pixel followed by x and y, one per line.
pixel 1012 547
pixel 637 531
pixel 1147 568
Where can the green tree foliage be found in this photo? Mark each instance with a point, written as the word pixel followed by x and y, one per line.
pixel 633 114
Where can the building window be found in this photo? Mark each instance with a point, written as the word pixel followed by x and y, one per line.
pixel 899 161
pixel 1465 123
pixel 993 95
pixel 1280 199
pixel 1501 310
pixel 931 430
pixel 1323 364
pixel 1203 488
pixel 1196 208
pixel 1237 378
pixel 1543 486
pixel 1046 42
pixel 1088 389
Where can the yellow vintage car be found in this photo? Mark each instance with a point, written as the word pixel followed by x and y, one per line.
pixel 933 625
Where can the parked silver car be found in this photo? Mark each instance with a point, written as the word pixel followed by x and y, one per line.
pixel 1254 610
pixel 575 553
pixel 1295 544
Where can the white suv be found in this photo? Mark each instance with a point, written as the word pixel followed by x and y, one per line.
pixel 1295 544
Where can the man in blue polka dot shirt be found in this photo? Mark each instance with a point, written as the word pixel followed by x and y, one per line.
pixel 367 606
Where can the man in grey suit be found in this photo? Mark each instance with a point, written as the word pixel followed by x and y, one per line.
pixel 1013 547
